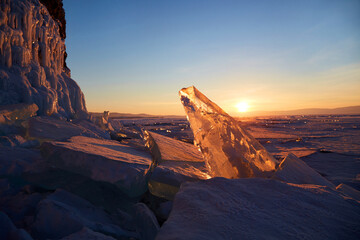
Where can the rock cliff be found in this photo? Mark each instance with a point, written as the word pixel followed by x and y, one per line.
pixel 32 59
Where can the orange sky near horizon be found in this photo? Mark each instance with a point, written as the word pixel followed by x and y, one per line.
pixel 263 93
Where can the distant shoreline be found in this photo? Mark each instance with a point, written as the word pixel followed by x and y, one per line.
pixel 351 110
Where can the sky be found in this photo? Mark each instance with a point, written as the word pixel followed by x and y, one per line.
pixel 134 56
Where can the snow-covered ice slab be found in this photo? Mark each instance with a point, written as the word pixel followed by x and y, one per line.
pixel 348 191
pixel 228 148
pixel 293 170
pixel 86 234
pixel 102 160
pixel 9 231
pixel 16 160
pixel 257 208
pixel 63 213
pixel 49 128
pixel 175 162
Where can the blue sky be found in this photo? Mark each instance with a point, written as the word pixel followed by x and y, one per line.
pixel 134 56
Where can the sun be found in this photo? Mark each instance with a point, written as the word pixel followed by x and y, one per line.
pixel 242 106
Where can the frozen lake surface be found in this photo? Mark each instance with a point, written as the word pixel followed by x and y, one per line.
pixel 328 143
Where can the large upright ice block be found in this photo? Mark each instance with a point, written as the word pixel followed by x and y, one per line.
pixel 229 150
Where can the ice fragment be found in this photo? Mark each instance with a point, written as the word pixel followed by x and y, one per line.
pixel 228 148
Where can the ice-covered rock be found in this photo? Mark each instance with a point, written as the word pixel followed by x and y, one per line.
pixel 175 161
pixel 256 208
pixel 102 121
pixel 9 231
pixel 92 127
pixel 293 170
pixel 102 160
pixel 32 61
pixel 63 213
pixel 116 124
pixel 146 222
pixel 18 141
pixel 20 203
pixel 45 128
pixel 228 148
pixel 164 209
pixel 101 194
pixel 14 112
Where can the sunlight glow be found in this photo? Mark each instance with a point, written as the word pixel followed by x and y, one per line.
pixel 242 106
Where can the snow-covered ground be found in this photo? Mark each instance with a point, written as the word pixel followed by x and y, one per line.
pixel 167 186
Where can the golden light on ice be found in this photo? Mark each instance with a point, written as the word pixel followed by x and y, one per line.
pixel 242 106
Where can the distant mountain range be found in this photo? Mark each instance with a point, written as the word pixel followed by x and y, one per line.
pixel 115 115
pixel 352 110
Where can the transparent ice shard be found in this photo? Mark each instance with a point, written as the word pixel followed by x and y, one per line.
pixel 230 151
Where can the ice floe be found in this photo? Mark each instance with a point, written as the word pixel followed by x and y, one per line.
pixel 102 160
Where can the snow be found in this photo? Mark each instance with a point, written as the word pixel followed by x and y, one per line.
pixel 228 148
pixel 102 160
pixel 254 208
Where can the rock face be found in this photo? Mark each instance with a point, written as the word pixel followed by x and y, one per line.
pixel 32 60
pixel 228 148
pixel 255 208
